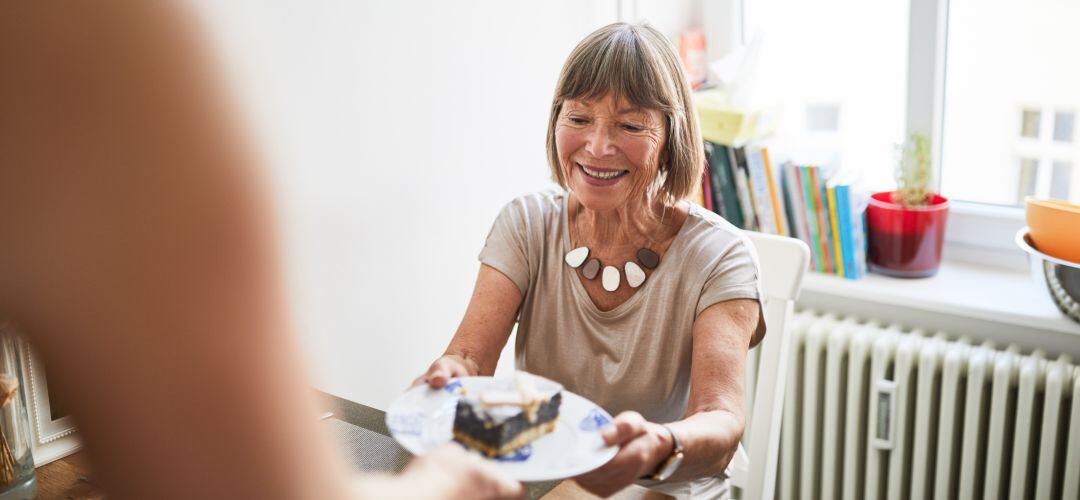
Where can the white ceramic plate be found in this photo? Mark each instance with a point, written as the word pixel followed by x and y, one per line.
pixel 423 418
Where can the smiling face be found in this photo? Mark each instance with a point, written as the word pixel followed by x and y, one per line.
pixel 609 150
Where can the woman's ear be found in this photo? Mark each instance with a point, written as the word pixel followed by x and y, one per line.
pixel 665 152
pixel 665 159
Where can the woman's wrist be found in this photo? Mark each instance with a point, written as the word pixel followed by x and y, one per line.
pixel 664 447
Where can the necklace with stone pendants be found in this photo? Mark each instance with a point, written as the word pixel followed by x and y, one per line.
pixel 611 278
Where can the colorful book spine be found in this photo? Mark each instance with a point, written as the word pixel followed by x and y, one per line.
pixel 742 185
pixel 699 197
pixel 834 229
pixel 823 219
pixel 795 203
pixel 759 188
pixel 784 175
pixel 723 185
pixel 778 207
pixel 843 215
pixel 811 218
pixel 817 194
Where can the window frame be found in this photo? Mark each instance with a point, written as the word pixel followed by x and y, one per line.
pixel 978 232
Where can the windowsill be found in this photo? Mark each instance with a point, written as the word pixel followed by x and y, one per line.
pixel 982 303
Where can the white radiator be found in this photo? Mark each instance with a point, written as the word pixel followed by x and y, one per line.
pixel 872 412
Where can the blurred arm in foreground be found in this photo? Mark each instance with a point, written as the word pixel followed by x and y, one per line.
pixel 139 253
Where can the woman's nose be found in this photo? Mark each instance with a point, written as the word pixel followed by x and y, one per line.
pixel 599 142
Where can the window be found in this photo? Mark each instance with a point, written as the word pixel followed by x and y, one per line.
pixel 1010 91
pixel 1029 123
pixel 823 118
pixel 1044 144
pixel 833 73
pixel 1061 180
pixel 1063 126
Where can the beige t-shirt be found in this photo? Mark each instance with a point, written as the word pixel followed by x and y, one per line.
pixel 636 356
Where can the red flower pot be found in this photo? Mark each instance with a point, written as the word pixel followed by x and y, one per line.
pixel 905 241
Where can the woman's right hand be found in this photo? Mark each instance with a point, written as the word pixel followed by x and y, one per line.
pixel 452 473
pixel 447 367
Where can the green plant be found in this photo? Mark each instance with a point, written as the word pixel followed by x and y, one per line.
pixel 913 171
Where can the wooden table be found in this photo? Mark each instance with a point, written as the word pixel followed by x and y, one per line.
pixel 71 478
pixel 68 477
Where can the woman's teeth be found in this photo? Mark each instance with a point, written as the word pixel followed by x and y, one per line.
pixel 599 174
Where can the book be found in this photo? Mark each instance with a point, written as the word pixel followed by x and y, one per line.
pixel 760 190
pixel 822 203
pixel 746 200
pixel 816 190
pixel 723 182
pixel 811 218
pixel 796 207
pixel 699 193
pixel 698 196
pixel 843 216
pixel 834 231
pixel 774 194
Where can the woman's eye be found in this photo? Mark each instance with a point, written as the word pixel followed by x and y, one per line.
pixel 577 120
pixel 630 127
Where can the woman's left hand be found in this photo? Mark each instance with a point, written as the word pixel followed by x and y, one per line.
pixel 642 446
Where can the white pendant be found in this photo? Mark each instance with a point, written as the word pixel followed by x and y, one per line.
pixel 635 276
pixel 576 256
pixel 611 278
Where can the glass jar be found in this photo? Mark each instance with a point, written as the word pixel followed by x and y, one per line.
pixel 17 480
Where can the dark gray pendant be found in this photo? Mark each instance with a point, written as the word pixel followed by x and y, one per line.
pixel 648 258
pixel 591 269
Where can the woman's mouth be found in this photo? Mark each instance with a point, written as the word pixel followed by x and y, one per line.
pixel 603 174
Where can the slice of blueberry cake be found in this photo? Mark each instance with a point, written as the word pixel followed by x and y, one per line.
pixel 509 415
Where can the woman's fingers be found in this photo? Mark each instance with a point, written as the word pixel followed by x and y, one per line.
pixel 626 431
pixel 442 370
pixel 631 462
pixel 626 426
pixel 437 377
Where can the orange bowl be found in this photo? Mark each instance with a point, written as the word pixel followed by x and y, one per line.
pixel 1055 228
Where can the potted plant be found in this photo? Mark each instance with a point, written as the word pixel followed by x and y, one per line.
pixel 906 227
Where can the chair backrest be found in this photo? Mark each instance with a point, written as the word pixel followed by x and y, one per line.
pixel 782 261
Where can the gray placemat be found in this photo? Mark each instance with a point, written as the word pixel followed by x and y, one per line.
pixel 369 451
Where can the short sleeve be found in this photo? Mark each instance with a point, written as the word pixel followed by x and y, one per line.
pixel 507 244
pixel 735 276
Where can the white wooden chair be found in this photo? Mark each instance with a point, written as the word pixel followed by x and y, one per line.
pixel 782 261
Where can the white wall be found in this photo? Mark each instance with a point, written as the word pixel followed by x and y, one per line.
pixel 395 132
pixel 671 17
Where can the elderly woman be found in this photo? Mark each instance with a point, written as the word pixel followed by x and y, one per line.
pixel 622 291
